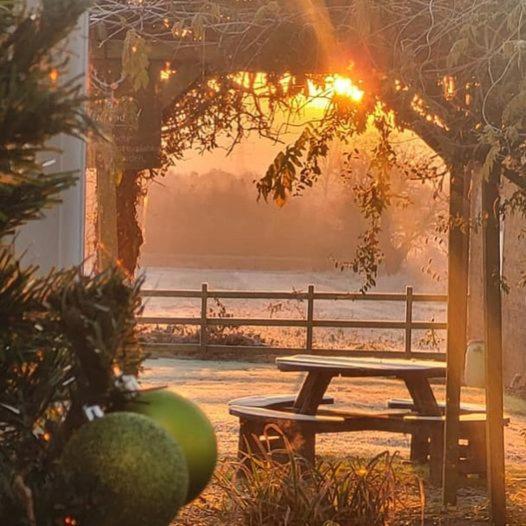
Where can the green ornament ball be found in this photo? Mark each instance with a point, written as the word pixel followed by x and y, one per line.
pixel 189 426
pixel 131 468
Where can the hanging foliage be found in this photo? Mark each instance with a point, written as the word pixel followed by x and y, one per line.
pixel 135 60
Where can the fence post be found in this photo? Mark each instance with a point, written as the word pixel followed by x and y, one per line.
pixel 408 321
pixel 310 318
pixel 203 333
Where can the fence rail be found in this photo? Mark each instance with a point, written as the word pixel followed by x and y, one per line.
pixel 309 323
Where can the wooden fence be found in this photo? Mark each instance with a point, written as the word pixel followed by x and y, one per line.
pixel 309 323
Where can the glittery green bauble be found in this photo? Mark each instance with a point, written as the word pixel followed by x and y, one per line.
pixel 135 471
pixel 190 428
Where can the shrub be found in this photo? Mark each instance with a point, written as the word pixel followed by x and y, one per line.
pixel 263 490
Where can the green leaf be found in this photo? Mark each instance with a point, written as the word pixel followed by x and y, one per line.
pixel 198 26
pixel 267 11
pixel 135 60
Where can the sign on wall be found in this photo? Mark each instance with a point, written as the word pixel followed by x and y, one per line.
pixel 137 133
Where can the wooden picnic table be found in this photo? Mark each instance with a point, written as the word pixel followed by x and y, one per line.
pixel 321 370
pixel 300 417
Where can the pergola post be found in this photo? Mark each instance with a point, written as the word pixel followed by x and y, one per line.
pixel 493 335
pixel 107 241
pixel 458 268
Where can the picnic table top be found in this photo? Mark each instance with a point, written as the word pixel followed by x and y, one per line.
pixel 356 367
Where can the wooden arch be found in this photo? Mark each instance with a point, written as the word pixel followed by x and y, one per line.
pixel 403 50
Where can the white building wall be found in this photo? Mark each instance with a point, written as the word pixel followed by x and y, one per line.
pixel 58 239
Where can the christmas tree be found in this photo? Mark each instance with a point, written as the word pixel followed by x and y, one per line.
pixel 65 338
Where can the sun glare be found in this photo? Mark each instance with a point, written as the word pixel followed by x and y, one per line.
pixel 335 85
pixel 345 87
pixel 318 94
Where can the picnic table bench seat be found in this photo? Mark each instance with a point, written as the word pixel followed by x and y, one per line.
pixel 263 429
pixel 407 403
pixel 325 420
pixel 254 413
pixel 273 401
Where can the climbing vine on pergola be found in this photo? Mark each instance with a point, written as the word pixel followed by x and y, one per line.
pixel 447 72
pixel 450 71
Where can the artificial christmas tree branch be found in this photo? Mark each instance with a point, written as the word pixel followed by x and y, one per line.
pixel 62 335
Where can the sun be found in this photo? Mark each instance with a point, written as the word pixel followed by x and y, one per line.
pixel 345 87
pixel 318 95
pixel 334 85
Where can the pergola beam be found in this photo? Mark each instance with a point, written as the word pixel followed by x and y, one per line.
pixel 226 58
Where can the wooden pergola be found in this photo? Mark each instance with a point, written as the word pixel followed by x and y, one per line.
pixel 331 41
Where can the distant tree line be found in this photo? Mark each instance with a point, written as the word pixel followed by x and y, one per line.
pixel 214 216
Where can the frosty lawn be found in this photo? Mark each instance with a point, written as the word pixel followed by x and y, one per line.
pixel 212 384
